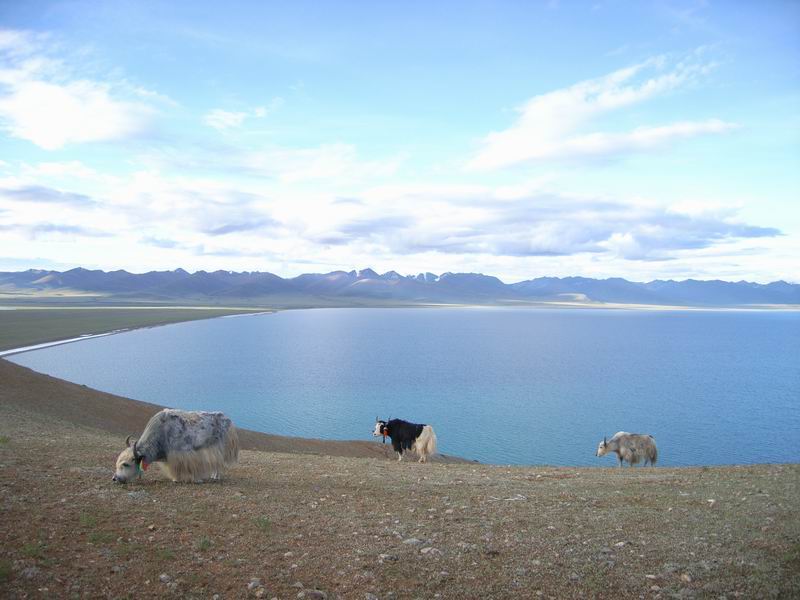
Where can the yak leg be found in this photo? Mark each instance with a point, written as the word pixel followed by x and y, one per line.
pixel 399 456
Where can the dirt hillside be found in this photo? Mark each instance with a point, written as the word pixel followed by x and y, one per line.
pixel 289 525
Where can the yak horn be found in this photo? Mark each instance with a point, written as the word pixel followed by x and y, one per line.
pixel 604 441
pixel 128 440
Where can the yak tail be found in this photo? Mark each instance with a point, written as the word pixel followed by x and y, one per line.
pixel 231 453
pixel 652 452
pixel 206 463
pixel 425 445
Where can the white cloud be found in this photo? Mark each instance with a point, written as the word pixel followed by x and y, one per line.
pixel 325 162
pixel 52 115
pixel 41 102
pixel 222 120
pixel 497 223
pixel 552 125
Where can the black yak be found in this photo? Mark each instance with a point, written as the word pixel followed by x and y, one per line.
pixel 407 436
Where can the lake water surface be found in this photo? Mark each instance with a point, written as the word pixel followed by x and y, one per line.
pixel 500 385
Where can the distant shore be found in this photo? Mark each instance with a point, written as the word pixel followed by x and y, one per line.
pixel 31 326
pixel 22 327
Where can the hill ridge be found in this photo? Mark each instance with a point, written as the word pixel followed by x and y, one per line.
pixel 368 286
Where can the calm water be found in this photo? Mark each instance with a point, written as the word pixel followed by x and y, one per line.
pixel 530 386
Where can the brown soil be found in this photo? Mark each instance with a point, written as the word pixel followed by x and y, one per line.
pixel 328 522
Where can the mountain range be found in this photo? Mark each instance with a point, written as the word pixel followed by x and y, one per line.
pixel 354 288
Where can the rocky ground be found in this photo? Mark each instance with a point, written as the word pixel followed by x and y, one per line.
pixel 298 523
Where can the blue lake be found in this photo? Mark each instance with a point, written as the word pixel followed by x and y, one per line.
pixel 500 385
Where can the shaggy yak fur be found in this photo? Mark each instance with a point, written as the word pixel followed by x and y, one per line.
pixel 630 447
pixel 407 436
pixel 187 446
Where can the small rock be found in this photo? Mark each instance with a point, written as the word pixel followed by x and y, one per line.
pixel 711 502
pixel 151 527
pixel 313 595
pixel 30 572
pixel 413 541
pixel 686 578
pixel 449 511
pixel 387 557
pixel 619 544
pixel 650 577
pixel 215 597
pixel 369 596
pixel 255 582
pixel 655 588
pixel 172 585
pixel 116 569
pixel 670 568
pixel 164 578
pixel 261 592
pixel 574 577
pixel 430 551
pixel 288 554
pixel 298 585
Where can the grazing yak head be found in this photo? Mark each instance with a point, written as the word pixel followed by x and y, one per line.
pixel 380 429
pixel 602 448
pixel 128 463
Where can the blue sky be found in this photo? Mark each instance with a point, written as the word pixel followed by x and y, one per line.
pixel 643 140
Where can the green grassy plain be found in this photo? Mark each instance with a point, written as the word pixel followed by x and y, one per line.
pixel 29 326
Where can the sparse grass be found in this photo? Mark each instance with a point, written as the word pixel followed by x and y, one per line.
pixel 263 523
pixel 101 537
pixel 203 544
pixel 129 550
pixel 34 549
pixel 165 554
pixel 4 439
pixel 792 558
pixel 88 520
pixel 5 570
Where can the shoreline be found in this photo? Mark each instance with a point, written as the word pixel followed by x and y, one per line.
pixel 88 336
